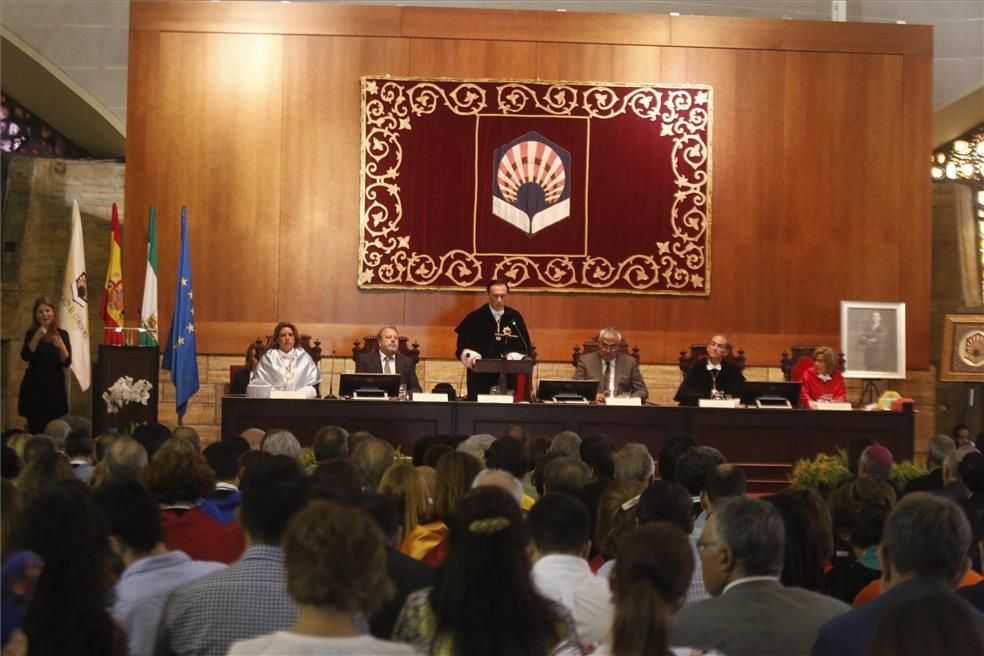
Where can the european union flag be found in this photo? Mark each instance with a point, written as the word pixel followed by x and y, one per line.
pixel 180 356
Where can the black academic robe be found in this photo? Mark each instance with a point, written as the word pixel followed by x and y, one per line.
pixel 477 332
pixel 698 382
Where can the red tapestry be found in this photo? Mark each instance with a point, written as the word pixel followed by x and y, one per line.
pixel 550 186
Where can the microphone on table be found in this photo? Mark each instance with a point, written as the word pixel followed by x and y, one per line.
pixel 331 377
pixel 520 333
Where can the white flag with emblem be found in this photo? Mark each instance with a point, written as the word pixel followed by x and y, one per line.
pixel 73 311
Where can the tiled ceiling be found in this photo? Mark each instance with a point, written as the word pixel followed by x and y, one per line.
pixel 88 40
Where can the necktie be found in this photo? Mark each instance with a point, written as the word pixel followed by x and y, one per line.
pixel 389 365
pixel 608 377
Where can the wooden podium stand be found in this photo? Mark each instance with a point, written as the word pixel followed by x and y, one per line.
pixel 522 369
pixel 136 362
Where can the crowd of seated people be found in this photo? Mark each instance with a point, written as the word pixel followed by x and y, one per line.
pixel 157 544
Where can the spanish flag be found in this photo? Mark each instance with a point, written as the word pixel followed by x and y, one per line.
pixel 112 298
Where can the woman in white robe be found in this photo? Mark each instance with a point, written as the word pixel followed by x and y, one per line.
pixel 288 367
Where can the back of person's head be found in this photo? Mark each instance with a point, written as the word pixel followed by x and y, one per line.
pixel 694 465
pixel 753 530
pixel 516 432
pixel 371 458
pixel 178 473
pixel 223 458
pixel 854 450
pixel 103 442
pixel 273 491
pixel 501 479
pixel 336 559
pixel 254 436
pixel 939 447
pixel 238 442
pixel 877 462
pixel 818 515
pixel 846 501
pixel 971 470
pixel 566 475
pixel 58 430
pixel 559 524
pixel 79 423
pixel 47 468
pixel 650 579
pixel 935 622
pixel 951 463
pixel 802 562
pixel 358 437
pixel 281 442
pixel 334 480
pixel 405 488
pixel 725 481
pixel 79 444
pixel 477 446
pixel 509 454
pixel 434 453
pixel 131 513
pixel 8 434
pixel 252 458
pixel 597 453
pixel 618 512
pixel 125 458
pixel 190 434
pixel 36 446
pixel 64 528
pixel 633 463
pixel 330 442
pixel 667 501
pixel 485 582
pixel 455 472
pixel 867 526
pixel 10 463
pixel 538 447
pixel 927 536
pixel 670 454
pixel 380 509
pixel 567 443
pixel 18 441
pixel 539 470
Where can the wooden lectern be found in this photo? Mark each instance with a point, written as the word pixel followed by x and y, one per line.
pixel 522 369
pixel 137 362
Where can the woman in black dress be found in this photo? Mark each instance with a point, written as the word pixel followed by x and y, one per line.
pixel 47 351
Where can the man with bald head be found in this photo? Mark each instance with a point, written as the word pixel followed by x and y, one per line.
pixel 388 360
pixel 713 377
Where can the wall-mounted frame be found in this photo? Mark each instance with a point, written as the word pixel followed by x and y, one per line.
pixel 873 339
pixel 962 357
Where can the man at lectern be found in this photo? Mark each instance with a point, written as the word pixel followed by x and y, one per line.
pixel 618 372
pixel 491 331
pixel 711 378
pixel 388 361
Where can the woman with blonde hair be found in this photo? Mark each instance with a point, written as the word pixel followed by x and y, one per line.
pixel 618 513
pixel 823 381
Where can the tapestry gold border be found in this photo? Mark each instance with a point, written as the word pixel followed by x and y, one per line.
pixel 385 253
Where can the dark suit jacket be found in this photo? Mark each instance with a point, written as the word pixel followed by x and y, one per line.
pixel 697 384
pixel 368 363
pixel 628 378
pixel 931 481
pixel 757 618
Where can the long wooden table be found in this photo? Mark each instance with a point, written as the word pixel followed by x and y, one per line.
pixel 765 442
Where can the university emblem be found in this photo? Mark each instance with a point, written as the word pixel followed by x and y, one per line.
pixel 532 183
pixel 80 290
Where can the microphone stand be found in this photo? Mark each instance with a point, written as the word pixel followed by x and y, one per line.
pixel 331 377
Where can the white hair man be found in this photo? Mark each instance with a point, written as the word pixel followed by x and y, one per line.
pixel 618 373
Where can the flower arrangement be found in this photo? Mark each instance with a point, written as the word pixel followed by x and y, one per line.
pixel 126 390
pixel 824 472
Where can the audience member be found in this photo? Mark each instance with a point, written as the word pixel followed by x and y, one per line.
pixel 335 480
pixel 539 469
pixel 79 448
pixel 953 487
pixel 18 441
pixel 404 487
pixel 934 623
pixel 79 423
pixel 924 549
pixel 863 532
pixel 58 430
pixel 855 448
pixel 238 442
pixel 151 571
pixel 254 436
pixel 10 463
pixel 516 432
pixel 975 593
pixel 876 462
pixel 434 454
pixel 125 459
pixel 617 515
pixel 37 445
pixel 179 477
pixel 45 469
pixel 11 504
pixel 566 476
pixel 691 472
pixel 559 534
pixel 667 501
pixel 190 434
pixel 330 442
pixel 67 614
pixel 961 436
pixel 597 453
pixel 455 474
pixel 335 559
pixel 802 565
pixel 818 515
pixel 371 458
pixel 223 502
pixel 476 446
pixel 939 447
pixel 408 575
pixel 539 447
pixel 248 599
pixel 511 455
pixel 633 463
pixel 358 437
pixel 750 613
pixel 281 442
pixel 483 599
pixel 971 471
pixel 152 437
pixel 567 443
pixel 670 454
pixel 502 480
pixel 648 585
pixel 252 458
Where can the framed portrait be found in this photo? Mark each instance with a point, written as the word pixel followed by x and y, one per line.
pixel 873 339
pixel 962 358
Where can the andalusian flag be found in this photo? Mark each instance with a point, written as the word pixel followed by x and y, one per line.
pixel 148 312
pixel 111 309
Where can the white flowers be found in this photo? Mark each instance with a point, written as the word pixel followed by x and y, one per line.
pixel 124 391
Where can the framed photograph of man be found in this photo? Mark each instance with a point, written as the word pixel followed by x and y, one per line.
pixel 873 339
pixel 962 358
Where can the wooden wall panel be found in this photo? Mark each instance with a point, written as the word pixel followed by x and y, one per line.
pixel 249 114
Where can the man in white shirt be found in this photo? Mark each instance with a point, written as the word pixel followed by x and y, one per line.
pixel 559 531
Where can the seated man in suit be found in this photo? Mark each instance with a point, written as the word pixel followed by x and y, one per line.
pixel 618 372
pixel 388 361
pixel 714 377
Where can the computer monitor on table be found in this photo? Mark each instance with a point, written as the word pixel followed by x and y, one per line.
pixel 366 384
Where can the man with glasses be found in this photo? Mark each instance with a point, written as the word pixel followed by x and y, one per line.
pixel 617 372
pixel 711 378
